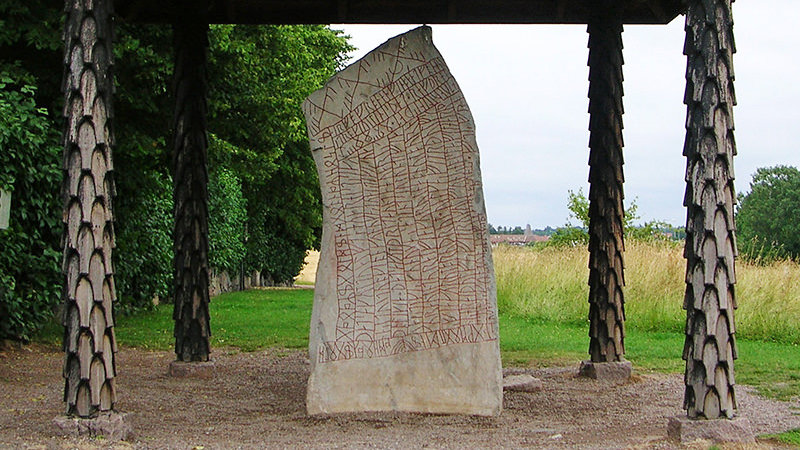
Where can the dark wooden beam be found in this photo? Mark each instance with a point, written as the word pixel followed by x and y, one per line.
pixel 395 11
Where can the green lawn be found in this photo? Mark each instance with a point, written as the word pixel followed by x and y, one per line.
pixel 773 368
pixel 249 320
pixel 790 437
pixel 259 319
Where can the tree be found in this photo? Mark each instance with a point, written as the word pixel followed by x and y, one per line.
pixel 143 262
pixel 578 206
pixel 30 153
pixel 768 217
pixel 143 205
pixel 259 78
pixel 226 220
pixel 30 278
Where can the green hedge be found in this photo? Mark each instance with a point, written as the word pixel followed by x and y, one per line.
pixel 30 276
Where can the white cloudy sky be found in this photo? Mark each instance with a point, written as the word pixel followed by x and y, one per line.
pixel 527 88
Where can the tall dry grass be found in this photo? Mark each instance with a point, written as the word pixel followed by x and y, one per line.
pixel 550 284
pixel 769 301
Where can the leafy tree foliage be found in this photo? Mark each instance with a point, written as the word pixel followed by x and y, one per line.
pixel 143 206
pixel 259 155
pixel 30 47
pixel 568 236
pixel 30 153
pixel 143 103
pixel 30 248
pixel 768 217
pixel 143 257
pixel 506 230
pixel 227 219
pixel 578 206
pixel 260 76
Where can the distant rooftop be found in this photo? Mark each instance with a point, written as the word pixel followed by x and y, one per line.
pixel 516 239
pixel 394 11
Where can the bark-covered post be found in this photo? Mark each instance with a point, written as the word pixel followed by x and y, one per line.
pixel 710 230
pixel 606 213
pixel 88 240
pixel 710 251
pixel 190 169
pixel 88 187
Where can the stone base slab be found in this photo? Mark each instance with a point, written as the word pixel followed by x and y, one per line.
pixel 182 369
pixel 113 426
pixel 458 379
pixel 521 383
pixel 686 430
pixel 606 371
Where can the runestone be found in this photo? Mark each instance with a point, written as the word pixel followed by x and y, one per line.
pixel 405 307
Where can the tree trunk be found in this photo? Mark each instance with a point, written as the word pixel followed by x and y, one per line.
pixel 710 231
pixel 606 213
pixel 88 188
pixel 190 157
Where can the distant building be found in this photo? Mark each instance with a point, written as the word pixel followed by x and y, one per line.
pixel 516 239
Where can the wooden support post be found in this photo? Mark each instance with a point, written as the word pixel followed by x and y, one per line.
pixel 710 250
pixel 606 214
pixel 190 168
pixel 88 188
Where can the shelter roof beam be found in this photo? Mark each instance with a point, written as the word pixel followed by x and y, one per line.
pixel 396 11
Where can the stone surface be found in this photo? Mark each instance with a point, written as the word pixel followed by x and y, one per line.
pixel 405 309
pixel 606 371
pixel 113 426
pixel 522 383
pixel 199 369
pixel 686 430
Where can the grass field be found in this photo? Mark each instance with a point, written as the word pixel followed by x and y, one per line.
pixel 249 320
pixel 258 319
pixel 549 284
pixel 542 297
pixel 791 437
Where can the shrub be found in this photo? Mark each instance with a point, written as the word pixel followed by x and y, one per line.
pixel 30 250
pixel 143 257
pixel 226 222
pixel 278 259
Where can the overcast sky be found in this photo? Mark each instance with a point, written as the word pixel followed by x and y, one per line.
pixel 527 88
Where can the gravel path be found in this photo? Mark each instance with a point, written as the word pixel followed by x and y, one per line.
pixel 255 401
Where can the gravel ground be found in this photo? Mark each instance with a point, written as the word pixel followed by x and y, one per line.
pixel 256 401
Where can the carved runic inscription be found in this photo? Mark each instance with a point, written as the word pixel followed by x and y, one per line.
pixel 394 144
